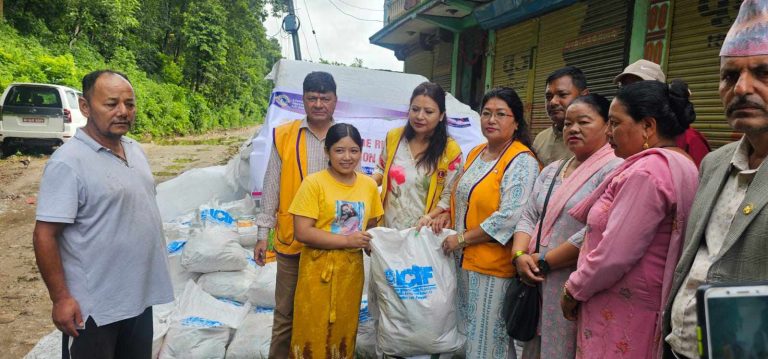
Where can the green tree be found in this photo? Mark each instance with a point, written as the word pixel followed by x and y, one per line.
pixel 195 64
pixel 357 62
pixel 206 45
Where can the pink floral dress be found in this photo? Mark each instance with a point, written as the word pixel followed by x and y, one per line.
pixel 632 245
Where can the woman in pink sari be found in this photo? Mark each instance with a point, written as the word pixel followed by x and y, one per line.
pixel 635 226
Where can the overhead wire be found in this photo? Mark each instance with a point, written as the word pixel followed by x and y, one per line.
pixel 281 36
pixel 359 7
pixel 279 28
pixel 275 35
pixel 306 42
pixel 312 26
pixel 350 15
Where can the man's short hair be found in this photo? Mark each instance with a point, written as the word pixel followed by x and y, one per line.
pixel 577 77
pixel 89 80
pixel 319 81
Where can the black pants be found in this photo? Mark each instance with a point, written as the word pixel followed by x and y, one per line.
pixel 128 338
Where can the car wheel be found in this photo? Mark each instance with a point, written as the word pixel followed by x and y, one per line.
pixel 9 149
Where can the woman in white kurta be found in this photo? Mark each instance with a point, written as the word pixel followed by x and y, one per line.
pixel 418 164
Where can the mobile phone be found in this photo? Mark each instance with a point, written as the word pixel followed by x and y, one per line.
pixel 733 320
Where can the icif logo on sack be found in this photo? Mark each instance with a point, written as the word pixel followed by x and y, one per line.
pixel 217 216
pixel 411 283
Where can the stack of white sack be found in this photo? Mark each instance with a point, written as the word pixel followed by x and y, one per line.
pixel 413 285
pixel 202 326
pixel 206 249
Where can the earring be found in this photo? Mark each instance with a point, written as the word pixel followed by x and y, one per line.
pixel 646 145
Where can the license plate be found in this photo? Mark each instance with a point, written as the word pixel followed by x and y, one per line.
pixel 33 120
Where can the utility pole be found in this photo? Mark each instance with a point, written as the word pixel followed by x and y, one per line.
pixel 291 25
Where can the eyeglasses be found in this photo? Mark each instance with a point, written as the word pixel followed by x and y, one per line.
pixel 322 99
pixel 485 115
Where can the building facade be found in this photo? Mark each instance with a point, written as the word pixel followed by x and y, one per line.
pixel 469 47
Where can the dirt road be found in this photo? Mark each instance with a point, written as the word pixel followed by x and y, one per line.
pixel 25 309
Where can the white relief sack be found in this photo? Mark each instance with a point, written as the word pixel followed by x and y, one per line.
pixel 261 293
pixel 230 285
pixel 161 322
pixel 215 249
pixel 414 285
pixel 202 325
pixel 252 339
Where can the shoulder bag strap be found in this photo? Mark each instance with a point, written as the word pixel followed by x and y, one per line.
pixel 546 202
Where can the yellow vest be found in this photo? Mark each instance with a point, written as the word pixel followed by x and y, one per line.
pixel 437 180
pixel 291 144
pixel 489 258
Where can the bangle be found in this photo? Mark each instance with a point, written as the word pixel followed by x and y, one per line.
pixel 518 254
pixel 428 217
pixel 462 243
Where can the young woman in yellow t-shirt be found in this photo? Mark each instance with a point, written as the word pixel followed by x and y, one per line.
pixel 331 210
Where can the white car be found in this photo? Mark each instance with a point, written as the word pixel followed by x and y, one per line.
pixel 38 114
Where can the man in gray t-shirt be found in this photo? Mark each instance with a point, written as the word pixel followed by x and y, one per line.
pixel 98 237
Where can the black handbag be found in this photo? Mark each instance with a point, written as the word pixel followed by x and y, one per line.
pixel 522 302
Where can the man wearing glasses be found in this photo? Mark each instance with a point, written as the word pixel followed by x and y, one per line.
pixel 298 151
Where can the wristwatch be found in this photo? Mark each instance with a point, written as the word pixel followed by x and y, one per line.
pixel 462 243
pixel 543 265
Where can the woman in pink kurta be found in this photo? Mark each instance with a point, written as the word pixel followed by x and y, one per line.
pixel 635 226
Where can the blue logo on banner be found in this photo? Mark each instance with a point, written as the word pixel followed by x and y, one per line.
pixel 459 122
pixel 411 283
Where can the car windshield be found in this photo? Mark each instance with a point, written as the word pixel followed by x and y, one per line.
pixel 33 96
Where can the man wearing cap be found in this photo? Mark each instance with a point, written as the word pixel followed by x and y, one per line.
pixel 691 141
pixel 726 240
